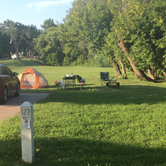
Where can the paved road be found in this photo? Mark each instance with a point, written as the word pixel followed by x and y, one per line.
pixel 12 107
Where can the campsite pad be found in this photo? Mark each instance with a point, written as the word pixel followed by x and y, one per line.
pixel 12 107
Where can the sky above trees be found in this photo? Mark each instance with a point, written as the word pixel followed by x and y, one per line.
pixel 34 12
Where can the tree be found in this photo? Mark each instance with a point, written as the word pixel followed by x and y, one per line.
pixel 31 33
pixel 48 23
pixel 136 29
pixel 85 27
pixel 115 53
pixel 5 47
pixel 48 46
pixel 21 36
pixel 14 30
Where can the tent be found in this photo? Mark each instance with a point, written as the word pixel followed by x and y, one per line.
pixel 32 79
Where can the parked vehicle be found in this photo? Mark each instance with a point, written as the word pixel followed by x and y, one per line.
pixel 9 83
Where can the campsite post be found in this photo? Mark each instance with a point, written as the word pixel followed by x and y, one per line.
pixel 27 140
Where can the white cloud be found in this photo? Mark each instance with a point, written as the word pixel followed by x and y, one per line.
pixel 43 4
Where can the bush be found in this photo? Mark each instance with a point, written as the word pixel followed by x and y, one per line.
pixel 81 60
pixel 52 59
pixel 100 60
pixel 66 61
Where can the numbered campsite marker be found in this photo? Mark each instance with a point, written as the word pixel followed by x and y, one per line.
pixel 27 140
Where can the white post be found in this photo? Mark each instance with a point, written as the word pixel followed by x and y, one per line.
pixel 27 140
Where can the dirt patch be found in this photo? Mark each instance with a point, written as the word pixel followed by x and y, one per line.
pixel 12 107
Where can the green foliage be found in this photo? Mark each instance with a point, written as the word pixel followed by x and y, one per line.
pixel 40 43
pixel 141 24
pixel 48 46
pixel 111 48
pixel 100 60
pixel 52 59
pixel 5 46
pixel 48 23
pixel 66 61
pixel 81 60
pixel 19 36
pixel 84 28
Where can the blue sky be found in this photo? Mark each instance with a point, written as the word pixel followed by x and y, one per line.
pixel 34 12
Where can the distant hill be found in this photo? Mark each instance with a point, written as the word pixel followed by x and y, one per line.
pixel 23 62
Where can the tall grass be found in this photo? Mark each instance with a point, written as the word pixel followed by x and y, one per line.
pixel 95 126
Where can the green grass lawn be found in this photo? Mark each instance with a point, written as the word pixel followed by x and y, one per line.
pixel 94 126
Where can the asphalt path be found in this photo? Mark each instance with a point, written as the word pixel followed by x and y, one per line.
pixel 12 107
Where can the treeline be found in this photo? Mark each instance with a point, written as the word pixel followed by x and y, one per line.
pixel 130 34
pixel 16 38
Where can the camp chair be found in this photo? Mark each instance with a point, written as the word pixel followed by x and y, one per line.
pixel 105 78
pixel 81 81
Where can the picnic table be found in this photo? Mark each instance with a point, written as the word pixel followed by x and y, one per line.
pixel 70 80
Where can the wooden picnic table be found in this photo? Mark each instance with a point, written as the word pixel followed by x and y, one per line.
pixel 70 81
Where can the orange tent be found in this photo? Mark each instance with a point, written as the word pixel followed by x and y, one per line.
pixel 32 79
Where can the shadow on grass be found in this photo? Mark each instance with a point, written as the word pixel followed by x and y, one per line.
pixel 127 94
pixel 73 152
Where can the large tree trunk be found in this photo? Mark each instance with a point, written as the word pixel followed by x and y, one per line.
pixel 123 69
pixel 16 45
pixel 139 73
pixel 164 71
pixel 151 73
pixel 118 72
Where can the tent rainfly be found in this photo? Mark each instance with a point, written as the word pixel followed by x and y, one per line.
pixel 32 79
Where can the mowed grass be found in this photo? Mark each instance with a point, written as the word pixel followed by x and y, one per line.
pixel 94 126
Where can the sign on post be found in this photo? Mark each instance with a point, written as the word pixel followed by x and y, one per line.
pixel 27 131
